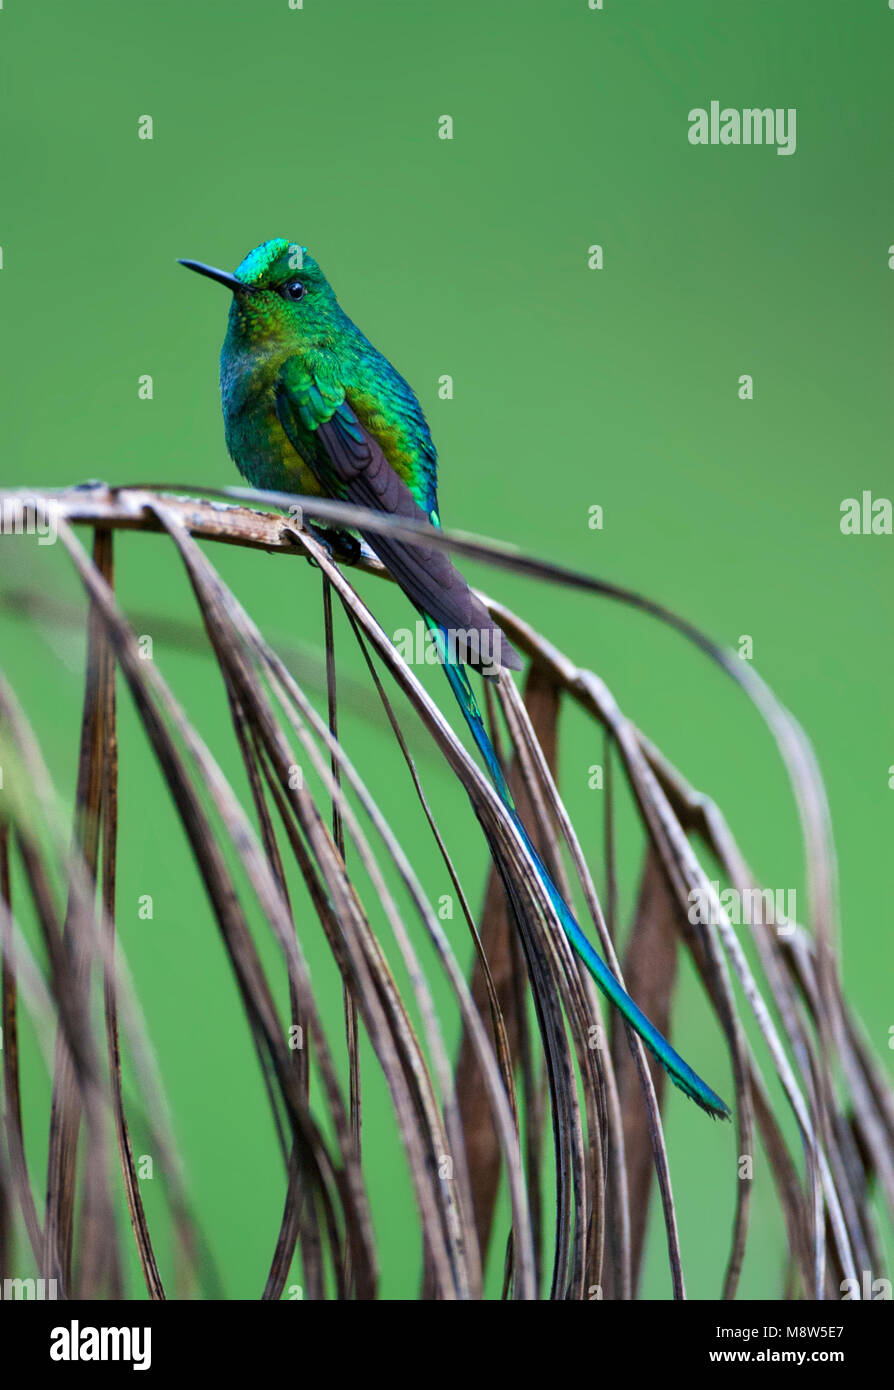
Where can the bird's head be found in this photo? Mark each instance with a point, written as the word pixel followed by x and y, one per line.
pixel 280 296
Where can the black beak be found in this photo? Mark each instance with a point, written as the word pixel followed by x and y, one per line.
pixel 223 277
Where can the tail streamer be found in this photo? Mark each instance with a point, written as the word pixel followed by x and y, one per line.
pixel 677 1069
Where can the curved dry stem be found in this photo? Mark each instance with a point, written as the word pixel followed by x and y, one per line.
pixel 602 1128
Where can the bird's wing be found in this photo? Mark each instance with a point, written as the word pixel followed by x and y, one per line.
pixel 349 464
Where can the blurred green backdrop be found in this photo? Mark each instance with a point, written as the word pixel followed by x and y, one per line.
pixel 573 387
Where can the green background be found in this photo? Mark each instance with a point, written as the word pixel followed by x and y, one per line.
pixel 573 387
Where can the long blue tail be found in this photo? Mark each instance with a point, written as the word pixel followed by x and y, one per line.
pixel 679 1071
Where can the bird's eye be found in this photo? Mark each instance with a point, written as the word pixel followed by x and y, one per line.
pixel 293 291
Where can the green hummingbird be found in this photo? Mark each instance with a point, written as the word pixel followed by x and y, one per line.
pixel 311 407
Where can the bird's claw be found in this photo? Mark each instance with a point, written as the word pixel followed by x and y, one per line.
pixel 340 546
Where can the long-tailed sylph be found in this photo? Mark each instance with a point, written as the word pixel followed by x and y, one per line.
pixel 310 407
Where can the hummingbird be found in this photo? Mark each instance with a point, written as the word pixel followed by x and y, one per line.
pixel 311 407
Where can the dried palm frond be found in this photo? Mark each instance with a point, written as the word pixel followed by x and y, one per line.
pixel 534 1060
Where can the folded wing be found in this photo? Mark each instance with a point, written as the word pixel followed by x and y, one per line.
pixel 350 464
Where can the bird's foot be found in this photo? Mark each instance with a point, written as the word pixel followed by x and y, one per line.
pixel 340 546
